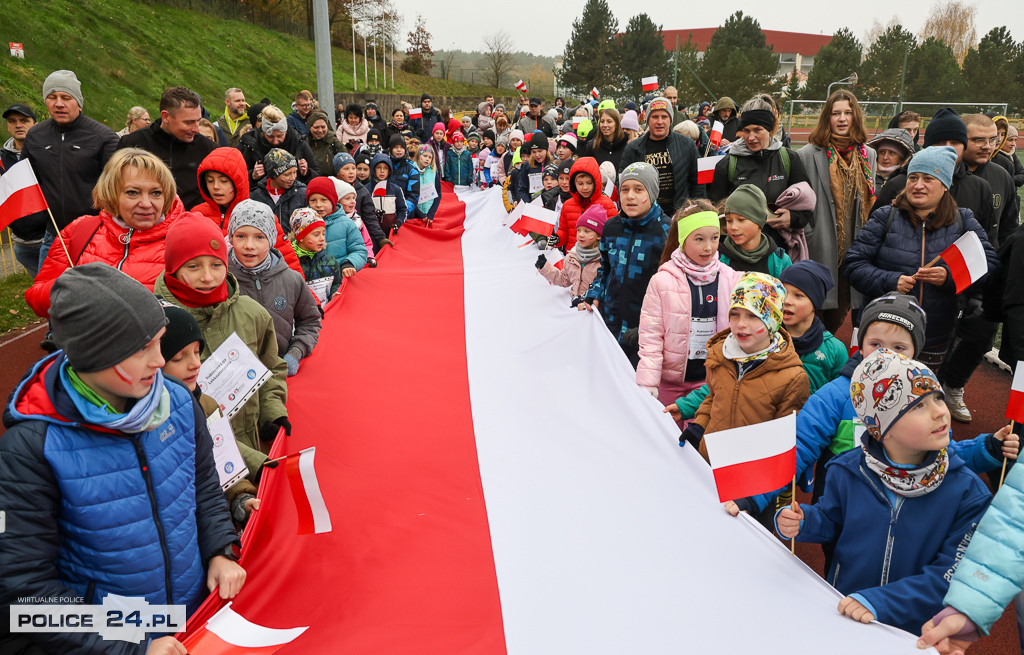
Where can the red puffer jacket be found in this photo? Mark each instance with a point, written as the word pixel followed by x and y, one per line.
pixel 575 206
pixel 138 254
pixel 230 162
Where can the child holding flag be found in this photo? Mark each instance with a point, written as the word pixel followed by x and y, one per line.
pixel 388 197
pixel 753 371
pixel 583 261
pixel 901 506
pixel 682 308
pixel 894 249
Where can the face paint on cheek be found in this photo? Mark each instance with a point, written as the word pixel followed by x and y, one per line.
pixel 121 374
pixel 760 331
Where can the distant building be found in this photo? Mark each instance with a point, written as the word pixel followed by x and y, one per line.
pixel 795 50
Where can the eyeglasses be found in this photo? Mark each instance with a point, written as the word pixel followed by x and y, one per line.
pixel 980 141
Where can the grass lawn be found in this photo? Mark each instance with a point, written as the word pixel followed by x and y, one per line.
pixel 14 313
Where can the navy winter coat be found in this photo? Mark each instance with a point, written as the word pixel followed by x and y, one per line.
pixel 884 250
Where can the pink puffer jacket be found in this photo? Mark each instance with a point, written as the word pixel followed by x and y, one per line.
pixel 665 324
pixel 572 275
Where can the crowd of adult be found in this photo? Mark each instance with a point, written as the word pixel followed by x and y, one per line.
pixel 845 222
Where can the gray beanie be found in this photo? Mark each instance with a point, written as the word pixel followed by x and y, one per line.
pixel 101 317
pixel 898 309
pixel 645 174
pixel 65 82
pixel 254 213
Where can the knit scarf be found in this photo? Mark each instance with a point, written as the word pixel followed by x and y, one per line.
pixel 849 180
pixel 269 262
pixel 731 349
pixel 735 253
pixel 908 482
pixel 302 252
pixel 586 255
pixel 193 297
pixel 145 414
pixel 810 340
pixel 699 274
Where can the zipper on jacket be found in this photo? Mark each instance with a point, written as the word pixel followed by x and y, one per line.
pixel 60 166
pixel 835 576
pixel 126 240
pixel 894 514
pixel 144 463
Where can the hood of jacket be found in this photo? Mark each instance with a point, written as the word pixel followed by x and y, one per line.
pixel 381 158
pixel 740 149
pixel 589 166
pixel 40 397
pixel 230 162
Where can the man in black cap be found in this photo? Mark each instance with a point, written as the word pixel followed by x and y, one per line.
pixel 26 232
pixel 423 125
pixel 536 120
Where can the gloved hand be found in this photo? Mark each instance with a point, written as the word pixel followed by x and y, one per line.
pixel 291 358
pixel 692 435
pixel 552 241
pixel 394 229
pixel 384 242
pixel 541 260
pixel 577 300
pixel 270 429
pixel 283 422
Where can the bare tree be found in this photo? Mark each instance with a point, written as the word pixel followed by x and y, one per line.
pixel 498 55
pixel 952 22
pixel 446 58
pixel 877 29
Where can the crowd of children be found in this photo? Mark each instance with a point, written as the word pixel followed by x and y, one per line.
pixel 720 316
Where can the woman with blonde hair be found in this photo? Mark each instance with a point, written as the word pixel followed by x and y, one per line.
pixel 841 171
pixel 138 118
pixel 138 202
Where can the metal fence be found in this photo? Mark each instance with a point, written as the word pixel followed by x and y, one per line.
pixel 802 115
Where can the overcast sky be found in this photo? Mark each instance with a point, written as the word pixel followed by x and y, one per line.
pixel 546 30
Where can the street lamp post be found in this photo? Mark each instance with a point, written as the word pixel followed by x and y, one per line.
pixel 851 80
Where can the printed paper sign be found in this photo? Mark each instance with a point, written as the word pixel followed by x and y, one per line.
pixel 226 456
pixel 17 50
pixel 232 374
pixel 320 288
pixel 536 183
pixel 427 193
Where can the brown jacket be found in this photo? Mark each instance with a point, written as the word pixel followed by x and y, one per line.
pixel 777 387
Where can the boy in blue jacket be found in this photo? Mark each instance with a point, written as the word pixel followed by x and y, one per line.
pixel 899 507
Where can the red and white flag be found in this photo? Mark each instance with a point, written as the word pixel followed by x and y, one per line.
pixel 534 218
pixel 966 260
pixel 309 501
pixel 753 459
pixel 576 120
pixel 555 257
pixel 521 86
pixel 229 633
pixel 20 194
pixel 1015 408
pixel 854 345
pixel 380 189
pixel 716 135
pixel 595 93
pixel 650 83
pixel 416 112
pixel 706 168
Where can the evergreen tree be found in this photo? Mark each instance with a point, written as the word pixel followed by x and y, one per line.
pixel 589 54
pixel 994 70
pixel 834 62
pixel 685 62
pixel 739 62
pixel 882 70
pixel 933 74
pixel 640 52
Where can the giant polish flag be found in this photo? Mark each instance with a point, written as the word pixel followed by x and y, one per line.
pixel 498 483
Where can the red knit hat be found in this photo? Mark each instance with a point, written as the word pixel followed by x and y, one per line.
pixel 324 187
pixel 190 236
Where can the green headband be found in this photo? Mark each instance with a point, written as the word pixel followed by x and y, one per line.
pixel 688 224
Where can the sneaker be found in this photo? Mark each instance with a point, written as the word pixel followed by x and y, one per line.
pixel 955 401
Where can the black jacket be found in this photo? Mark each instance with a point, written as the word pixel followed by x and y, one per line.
pixel 684 164
pixel 254 147
pixel 422 127
pixel 182 158
pixel 765 170
pixel 1012 165
pixel 1005 303
pixel 607 152
pixel 67 162
pixel 292 199
pixel 364 205
pixel 1005 201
